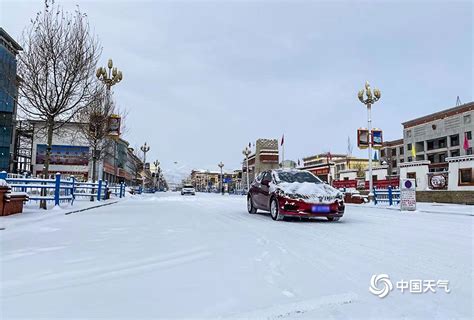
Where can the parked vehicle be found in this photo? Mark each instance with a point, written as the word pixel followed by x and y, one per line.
pixel 294 193
pixel 188 189
pixel 354 196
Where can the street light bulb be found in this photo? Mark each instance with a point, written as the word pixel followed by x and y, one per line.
pixel 120 75
pixel 114 72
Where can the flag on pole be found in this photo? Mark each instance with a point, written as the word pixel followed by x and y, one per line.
pixel 466 142
pixel 282 139
pixel 413 152
pixel 250 145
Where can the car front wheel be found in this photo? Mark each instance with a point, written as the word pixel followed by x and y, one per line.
pixel 333 218
pixel 250 207
pixel 274 211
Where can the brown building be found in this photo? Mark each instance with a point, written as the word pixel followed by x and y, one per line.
pixel 393 153
pixel 265 157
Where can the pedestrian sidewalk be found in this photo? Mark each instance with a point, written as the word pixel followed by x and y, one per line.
pixel 436 208
pixel 32 213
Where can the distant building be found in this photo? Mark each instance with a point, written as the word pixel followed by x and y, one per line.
pixel 265 157
pixel 328 167
pixel 439 135
pixel 393 153
pixel 209 180
pixel 9 81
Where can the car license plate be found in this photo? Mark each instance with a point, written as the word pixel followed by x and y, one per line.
pixel 321 209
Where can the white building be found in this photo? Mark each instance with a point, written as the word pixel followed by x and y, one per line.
pixel 461 173
pixel 417 170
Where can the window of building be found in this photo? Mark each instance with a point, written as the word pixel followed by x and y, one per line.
pixel 442 157
pixel 467 119
pixel 346 178
pixel 469 151
pixel 430 145
pixel 382 153
pixel 442 143
pixel 401 150
pixel 420 157
pixel 409 146
pixel 374 178
pixel 411 175
pixel 431 158
pixel 465 177
pixel 394 152
pixel 408 133
pixel 454 139
pixel 469 135
pixel 394 163
pixel 455 153
pixel 402 160
pixel 409 159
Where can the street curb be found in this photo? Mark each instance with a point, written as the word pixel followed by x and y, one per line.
pixel 89 208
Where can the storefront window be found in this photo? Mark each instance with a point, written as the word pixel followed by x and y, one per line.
pixel 465 177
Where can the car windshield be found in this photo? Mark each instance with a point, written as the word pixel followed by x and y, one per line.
pixel 297 176
pixel 188 186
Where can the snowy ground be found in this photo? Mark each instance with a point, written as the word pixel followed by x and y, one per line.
pixel 168 256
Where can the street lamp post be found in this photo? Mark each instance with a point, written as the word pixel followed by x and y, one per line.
pixel 368 101
pixel 145 148
pixel 109 77
pixel 221 165
pixel 157 171
pixel 246 153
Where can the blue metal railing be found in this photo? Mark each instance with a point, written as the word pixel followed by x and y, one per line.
pixel 388 196
pixel 60 190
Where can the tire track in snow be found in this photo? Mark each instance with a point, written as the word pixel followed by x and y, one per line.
pixel 97 274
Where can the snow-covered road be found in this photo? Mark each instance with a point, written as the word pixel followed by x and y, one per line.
pixel 164 256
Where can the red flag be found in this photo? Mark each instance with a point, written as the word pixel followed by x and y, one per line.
pixel 466 142
pixel 282 139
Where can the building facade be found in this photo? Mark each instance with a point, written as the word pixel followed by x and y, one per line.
pixel 392 154
pixel 328 167
pixel 9 82
pixel 265 157
pixel 69 153
pixel 440 135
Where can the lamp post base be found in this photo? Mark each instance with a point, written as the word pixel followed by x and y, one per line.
pixel 371 197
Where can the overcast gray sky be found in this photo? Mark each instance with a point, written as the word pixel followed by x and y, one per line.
pixel 203 78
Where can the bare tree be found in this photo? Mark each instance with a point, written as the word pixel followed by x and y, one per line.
pixel 57 69
pixel 95 129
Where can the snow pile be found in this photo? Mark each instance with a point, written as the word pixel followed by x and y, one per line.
pixel 3 183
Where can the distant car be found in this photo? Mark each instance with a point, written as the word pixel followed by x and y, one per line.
pixel 188 189
pixel 294 193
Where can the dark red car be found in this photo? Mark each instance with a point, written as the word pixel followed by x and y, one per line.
pixel 294 193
